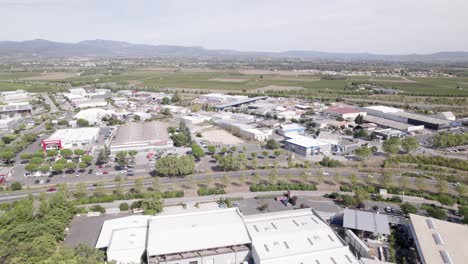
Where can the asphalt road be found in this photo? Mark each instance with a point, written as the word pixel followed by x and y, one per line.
pixel 12 196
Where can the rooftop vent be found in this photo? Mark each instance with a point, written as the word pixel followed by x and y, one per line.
pixel 431 223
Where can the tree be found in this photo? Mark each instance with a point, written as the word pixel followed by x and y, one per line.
pixel 165 101
pixel 359 119
pixel 36 161
pixel 408 208
pixel 123 207
pixel 70 165
pixel 138 187
pixel 31 167
pixel 87 159
pixel 16 186
pixel 82 122
pixel 66 153
pixel 256 178
pixel 272 144
pixel 306 164
pixel 363 152
pixel 52 153
pixel 38 154
pixel 102 157
pixel 25 156
pixel 121 158
pixel 436 212
pixel 386 180
pixel 132 153
pixel 180 139
pixel 44 168
pixel 99 190
pixel 175 166
pixel 56 167
pixel 79 152
pixel 277 153
pixel 273 176
pixel 354 180
pixel 461 189
pixel 253 155
pixel 197 151
pixel 81 190
pixel 7 156
pixel 83 165
pixel 152 203
pixel 212 149
pixel 208 179
pixel 391 146
pixel 119 189
pixel 409 144
pixel 233 149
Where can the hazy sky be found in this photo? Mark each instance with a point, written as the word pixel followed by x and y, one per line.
pixel 377 26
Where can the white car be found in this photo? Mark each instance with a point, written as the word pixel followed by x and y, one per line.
pixel 326 173
pixel 98 173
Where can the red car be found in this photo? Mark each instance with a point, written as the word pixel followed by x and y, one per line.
pixel 52 189
pixel 105 172
pixel 100 166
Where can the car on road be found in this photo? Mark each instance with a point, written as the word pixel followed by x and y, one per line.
pixel 326 173
pixel 77 175
pixel 41 182
pixel 52 189
pixel 105 172
pixel 47 181
pixel 36 182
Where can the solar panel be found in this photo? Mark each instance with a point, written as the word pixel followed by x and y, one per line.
pixel 446 257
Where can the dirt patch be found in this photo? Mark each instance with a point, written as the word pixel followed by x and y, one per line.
pixel 51 76
pixel 229 80
pixel 219 136
pixel 279 88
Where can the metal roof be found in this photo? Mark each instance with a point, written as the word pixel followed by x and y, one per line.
pixel 366 221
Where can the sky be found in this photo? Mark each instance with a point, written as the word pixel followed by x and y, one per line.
pixel 374 26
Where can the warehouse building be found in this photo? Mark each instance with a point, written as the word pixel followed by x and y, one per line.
pixel 8 124
pixel 388 123
pixel 220 236
pixel 16 109
pixel 438 241
pixel 291 128
pixel 87 103
pixel 345 112
pixel 142 137
pixel 306 146
pixel 72 138
pixel 93 115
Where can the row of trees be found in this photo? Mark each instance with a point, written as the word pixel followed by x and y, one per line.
pixel 393 145
pixel 37 160
pixel 446 140
pixel 175 166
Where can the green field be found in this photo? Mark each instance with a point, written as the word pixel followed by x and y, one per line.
pixel 35 88
pixel 201 80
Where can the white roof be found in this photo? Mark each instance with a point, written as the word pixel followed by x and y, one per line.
pixel 92 114
pixel 75 134
pixel 366 221
pixel 450 239
pixel 127 245
pixel 129 222
pixel 291 126
pixel 304 141
pixel 295 237
pixel 384 109
pixel 195 231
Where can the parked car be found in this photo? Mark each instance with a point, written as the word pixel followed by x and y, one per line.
pixel 47 181
pixel 52 189
pixel 98 173
pixel 27 174
pixel 105 172
pixel 90 171
pixel 36 182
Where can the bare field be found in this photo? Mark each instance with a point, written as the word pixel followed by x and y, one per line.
pixel 50 76
pixel 231 80
pixel 219 136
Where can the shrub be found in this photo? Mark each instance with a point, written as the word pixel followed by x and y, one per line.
pixel 16 186
pixel 282 187
pixel 98 208
pixel 135 205
pixel 436 212
pixel 446 199
pixel 124 207
pixel 345 188
pixel 210 191
pixel 408 208
pixel 396 199
pixel 173 194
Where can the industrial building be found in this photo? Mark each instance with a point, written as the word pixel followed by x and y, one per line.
pixel 388 123
pixel 8 124
pixel 220 236
pixel 14 96
pixel 387 133
pixel 345 112
pixel 306 146
pixel 142 137
pixel 71 138
pixel 364 221
pixel 415 121
pixel 291 128
pixel 196 119
pixel 217 98
pixel 438 241
pixel 93 115
pixel 16 108
pixel 87 103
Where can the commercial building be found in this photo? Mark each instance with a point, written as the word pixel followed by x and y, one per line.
pixel 345 112
pixel 217 98
pixel 245 130
pixel 14 96
pixel 388 133
pixel 16 108
pixel 291 128
pixel 93 115
pixel 89 103
pixel 71 138
pixel 306 146
pixel 220 236
pixel 438 241
pixel 196 119
pixel 239 102
pixel 345 146
pixel 388 123
pixel 142 137
pixel 8 124
pixel 364 221
pixel 295 237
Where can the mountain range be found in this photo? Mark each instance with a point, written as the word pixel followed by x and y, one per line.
pixel 108 48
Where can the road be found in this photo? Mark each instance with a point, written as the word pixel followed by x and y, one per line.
pixel 53 107
pixel 344 172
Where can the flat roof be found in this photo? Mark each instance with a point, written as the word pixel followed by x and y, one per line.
pixel 109 226
pixel 127 245
pixel 387 122
pixel 75 134
pixel 343 110
pixel 242 101
pixel 291 126
pixel 195 231
pixel 424 118
pixel 297 236
pixel 437 239
pixel 366 221
pixel 134 132
pixel 384 109
pixel 304 141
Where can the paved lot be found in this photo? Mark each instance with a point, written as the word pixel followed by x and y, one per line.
pixel 85 230
pixel 220 136
pixel 250 206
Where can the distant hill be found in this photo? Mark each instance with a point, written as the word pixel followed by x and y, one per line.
pixel 108 48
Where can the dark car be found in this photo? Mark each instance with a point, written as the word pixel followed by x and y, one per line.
pixel 52 189
pixel 90 171
pixel 36 182
pixel 47 181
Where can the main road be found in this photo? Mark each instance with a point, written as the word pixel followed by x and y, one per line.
pixel 129 183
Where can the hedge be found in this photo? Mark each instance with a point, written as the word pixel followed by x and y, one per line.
pixel 210 191
pixel 282 187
